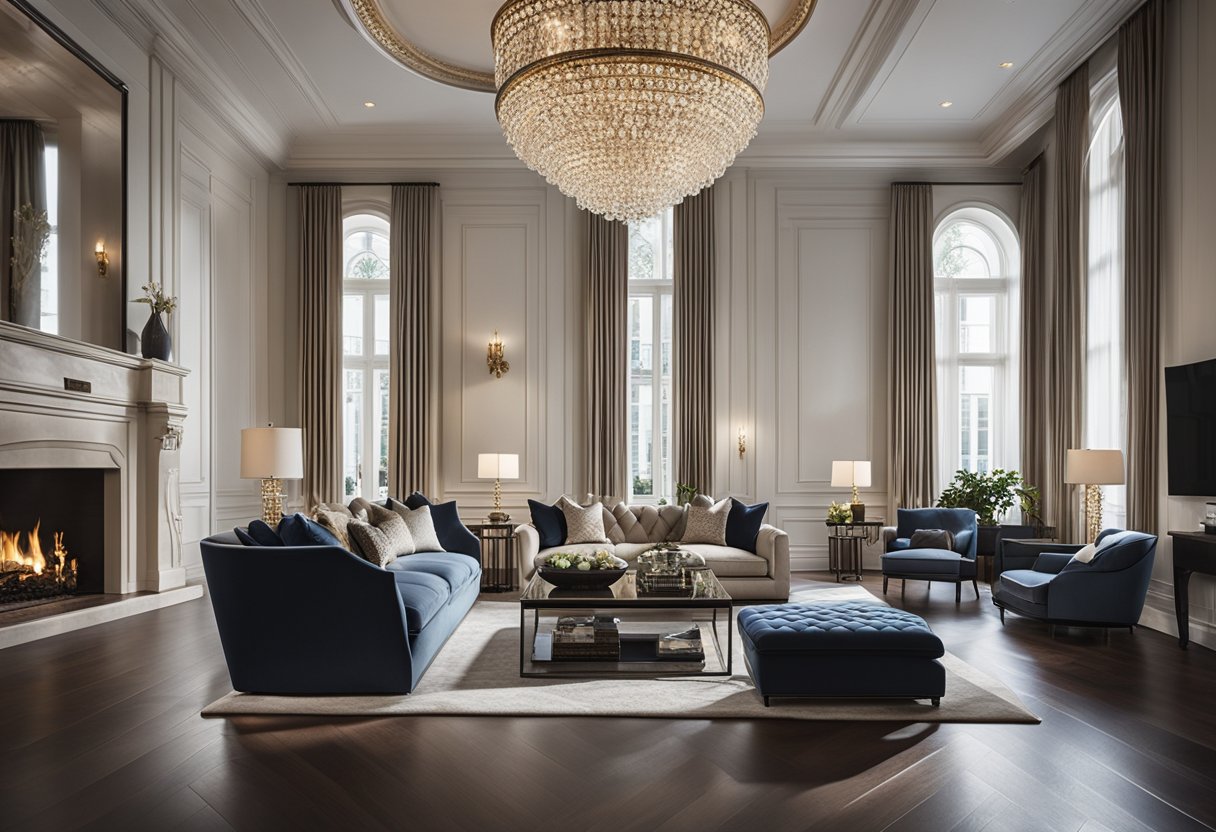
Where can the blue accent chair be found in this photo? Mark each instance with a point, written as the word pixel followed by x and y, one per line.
pixel 952 566
pixel 312 620
pixel 1109 591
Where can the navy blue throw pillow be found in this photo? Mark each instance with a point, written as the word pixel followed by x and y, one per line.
pixel 298 530
pixel 452 533
pixel 550 524
pixel 743 524
pixel 413 502
pixel 244 537
pixel 263 535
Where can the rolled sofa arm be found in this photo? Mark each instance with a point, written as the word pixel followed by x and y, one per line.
pixel 773 545
pixel 527 547
pixel 888 537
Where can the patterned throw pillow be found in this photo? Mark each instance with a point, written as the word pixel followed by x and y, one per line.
pixel 707 524
pixel 382 537
pixel 583 525
pixel 421 526
pixel 335 519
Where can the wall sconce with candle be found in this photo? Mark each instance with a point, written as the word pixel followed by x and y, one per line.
pixel 494 357
pixel 103 259
pixel 742 441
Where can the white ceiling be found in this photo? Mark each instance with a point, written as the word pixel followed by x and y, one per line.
pixel 862 83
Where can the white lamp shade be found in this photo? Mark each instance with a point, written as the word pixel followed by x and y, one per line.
pixel 1094 467
pixel 272 452
pixel 848 473
pixel 498 466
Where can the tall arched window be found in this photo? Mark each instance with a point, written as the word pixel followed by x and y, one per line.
pixel 365 345
pixel 1105 366
pixel 975 280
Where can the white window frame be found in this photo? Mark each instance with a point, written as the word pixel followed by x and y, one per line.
pixel 366 484
pixel 1002 358
pixel 662 482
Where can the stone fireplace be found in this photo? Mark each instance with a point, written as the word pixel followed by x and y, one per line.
pixel 89 443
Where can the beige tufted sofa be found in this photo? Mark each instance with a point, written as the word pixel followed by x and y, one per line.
pixel 632 530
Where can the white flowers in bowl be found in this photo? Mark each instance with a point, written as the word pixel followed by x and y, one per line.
pixel 584 563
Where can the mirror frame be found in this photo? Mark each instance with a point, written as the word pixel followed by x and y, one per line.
pixel 63 39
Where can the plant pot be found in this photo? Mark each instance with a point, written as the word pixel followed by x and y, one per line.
pixel 155 341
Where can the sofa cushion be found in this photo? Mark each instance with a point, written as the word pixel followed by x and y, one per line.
pixel 841 628
pixel 263 534
pixel 336 522
pixel 550 523
pixel 298 530
pixel 584 524
pixel 630 551
pixel 729 562
pixel 900 543
pixel 923 562
pixel 382 537
pixel 455 569
pixel 645 524
pixel 743 524
pixel 423 595
pixel 1025 584
pixel 931 539
pixel 244 537
pixel 707 524
pixel 421 526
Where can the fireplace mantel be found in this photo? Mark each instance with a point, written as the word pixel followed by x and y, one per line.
pixel 67 404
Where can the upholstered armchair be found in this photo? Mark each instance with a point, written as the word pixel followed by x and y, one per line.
pixel 954 565
pixel 1055 587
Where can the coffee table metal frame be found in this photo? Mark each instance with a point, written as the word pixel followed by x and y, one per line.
pixel 626 598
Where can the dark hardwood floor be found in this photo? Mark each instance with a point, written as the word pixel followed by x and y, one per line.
pixel 100 729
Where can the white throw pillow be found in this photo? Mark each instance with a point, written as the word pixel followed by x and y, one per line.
pixel 421 526
pixel 1086 553
pixel 707 524
pixel 583 524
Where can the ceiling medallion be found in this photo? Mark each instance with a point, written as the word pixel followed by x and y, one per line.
pixel 628 106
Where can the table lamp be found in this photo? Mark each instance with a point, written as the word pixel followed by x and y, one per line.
pixel 854 474
pixel 1093 469
pixel 272 455
pixel 498 467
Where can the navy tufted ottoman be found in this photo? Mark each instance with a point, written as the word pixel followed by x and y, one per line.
pixel 841 650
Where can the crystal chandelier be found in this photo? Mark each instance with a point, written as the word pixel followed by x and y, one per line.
pixel 629 105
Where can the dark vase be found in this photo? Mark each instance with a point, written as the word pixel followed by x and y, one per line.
pixel 154 341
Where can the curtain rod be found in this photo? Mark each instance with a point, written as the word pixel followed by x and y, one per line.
pixel 365 184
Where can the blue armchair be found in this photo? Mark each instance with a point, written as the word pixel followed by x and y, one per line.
pixel 1109 591
pixel 949 565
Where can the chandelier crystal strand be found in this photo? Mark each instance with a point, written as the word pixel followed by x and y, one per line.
pixel 630 105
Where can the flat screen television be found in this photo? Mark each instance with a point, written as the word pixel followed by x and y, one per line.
pixel 1190 400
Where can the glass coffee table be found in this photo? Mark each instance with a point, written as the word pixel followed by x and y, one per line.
pixel 625 630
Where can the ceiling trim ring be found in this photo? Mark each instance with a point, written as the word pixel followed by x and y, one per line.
pixel 369 20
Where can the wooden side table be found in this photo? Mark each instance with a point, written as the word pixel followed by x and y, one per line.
pixel 498 567
pixel 845 546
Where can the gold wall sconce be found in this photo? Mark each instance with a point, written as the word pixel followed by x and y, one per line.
pixel 103 259
pixel 742 441
pixel 494 357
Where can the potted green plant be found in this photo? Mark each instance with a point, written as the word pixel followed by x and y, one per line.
pixel 991 496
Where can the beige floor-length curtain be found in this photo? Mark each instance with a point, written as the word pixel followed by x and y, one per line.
pixel 22 183
pixel 1141 93
pixel 321 341
pixel 411 436
pixel 912 361
pixel 1066 335
pixel 607 357
pixel 1033 376
pixel 693 341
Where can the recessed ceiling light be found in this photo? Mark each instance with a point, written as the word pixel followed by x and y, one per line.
pixel 1006 64
pixel 945 104
pixel 369 104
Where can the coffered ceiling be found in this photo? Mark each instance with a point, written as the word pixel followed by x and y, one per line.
pixel 861 85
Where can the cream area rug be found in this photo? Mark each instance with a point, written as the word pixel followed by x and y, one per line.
pixel 477 674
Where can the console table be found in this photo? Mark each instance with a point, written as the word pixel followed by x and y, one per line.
pixel 1193 552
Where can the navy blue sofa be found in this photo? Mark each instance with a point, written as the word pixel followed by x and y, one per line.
pixel 1109 591
pixel 311 620
pixel 955 566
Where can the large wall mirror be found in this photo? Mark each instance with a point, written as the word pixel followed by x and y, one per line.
pixel 62 183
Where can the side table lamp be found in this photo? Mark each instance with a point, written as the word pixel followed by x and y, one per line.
pixel 852 474
pixel 498 467
pixel 272 455
pixel 1093 469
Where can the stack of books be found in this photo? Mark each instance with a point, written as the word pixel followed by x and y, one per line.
pixel 587 637
pixel 683 646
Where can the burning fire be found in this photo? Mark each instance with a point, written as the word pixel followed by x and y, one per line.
pixel 29 559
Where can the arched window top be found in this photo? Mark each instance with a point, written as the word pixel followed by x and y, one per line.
pixel 974 243
pixel 365 247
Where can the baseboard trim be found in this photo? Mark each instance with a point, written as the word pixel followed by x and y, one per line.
pixel 1163 621
pixel 28 631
